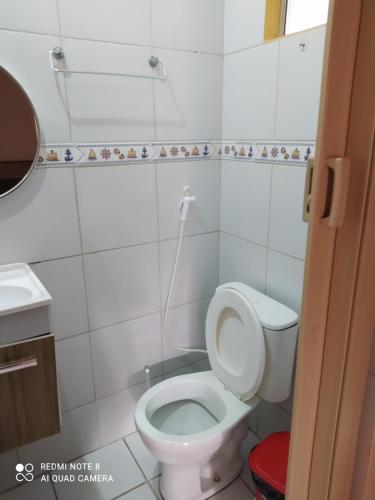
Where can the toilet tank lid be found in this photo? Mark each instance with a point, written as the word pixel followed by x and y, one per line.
pixel 272 315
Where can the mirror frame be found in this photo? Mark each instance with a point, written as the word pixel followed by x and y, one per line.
pixel 37 131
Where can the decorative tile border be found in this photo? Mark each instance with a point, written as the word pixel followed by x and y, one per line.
pixel 86 155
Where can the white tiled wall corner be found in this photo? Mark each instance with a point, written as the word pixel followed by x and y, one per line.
pixel 115 460
pixel 122 284
pixel 298 91
pixel 245 200
pixel 288 232
pixel 249 93
pixel 111 21
pixel 197 275
pixel 79 435
pixel 242 261
pixel 39 220
pixel 188 104
pixel 285 279
pixel 63 279
pixel 117 206
pixel 120 353
pixel 73 359
pixel 188 24
pixel 8 463
pixel 243 24
pixel 109 108
pixel 271 419
pixel 204 179
pixel 23 55
pixel 186 327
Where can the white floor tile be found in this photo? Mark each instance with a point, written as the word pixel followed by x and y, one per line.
pixel 35 490
pixel 144 492
pixel 7 472
pixel 145 459
pixel 237 490
pixel 155 487
pixel 114 459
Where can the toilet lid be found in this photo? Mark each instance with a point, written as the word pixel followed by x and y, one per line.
pixel 235 342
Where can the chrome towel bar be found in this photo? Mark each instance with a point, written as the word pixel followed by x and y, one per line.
pixel 57 53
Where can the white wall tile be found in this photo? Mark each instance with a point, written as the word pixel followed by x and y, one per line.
pixel 285 279
pixel 188 104
pixel 186 327
pixel 299 85
pixel 122 284
pixel 39 16
pixel 243 24
pixel 109 108
pixel 115 460
pixel 288 232
pixel 245 199
pixel 8 463
pixel 271 419
pixel 242 261
pixel 79 435
pixel 117 206
pixel 120 353
pixel 249 93
pixel 196 25
pixel 74 372
pixel 197 274
pixel 63 279
pixel 39 220
pixel 148 463
pixel 204 179
pixel 26 58
pixel 122 21
pixel 30 491
pixel 116 413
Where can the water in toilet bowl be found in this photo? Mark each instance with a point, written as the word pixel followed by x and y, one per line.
pixel 183 417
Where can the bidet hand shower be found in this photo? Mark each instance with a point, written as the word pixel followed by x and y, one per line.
pixel 185 202
pixel 184 206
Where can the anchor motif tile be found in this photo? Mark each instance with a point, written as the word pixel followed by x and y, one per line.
pixel 85 155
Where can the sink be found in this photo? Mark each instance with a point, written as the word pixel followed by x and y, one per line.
pixel 20 289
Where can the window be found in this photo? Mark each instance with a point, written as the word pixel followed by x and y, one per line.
pixel 305 14
pixel 284 17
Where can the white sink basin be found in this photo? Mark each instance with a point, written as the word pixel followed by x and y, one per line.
pixel 20 289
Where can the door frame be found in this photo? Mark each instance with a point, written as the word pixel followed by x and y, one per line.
pixel 332 356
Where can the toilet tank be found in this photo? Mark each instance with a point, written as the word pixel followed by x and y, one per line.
pixel 280 327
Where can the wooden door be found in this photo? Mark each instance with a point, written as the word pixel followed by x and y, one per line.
pixel 320 447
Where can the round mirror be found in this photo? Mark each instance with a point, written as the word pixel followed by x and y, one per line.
pixel 19 134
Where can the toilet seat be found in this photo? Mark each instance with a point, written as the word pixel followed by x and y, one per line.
pixel 235 342
pixel 201 387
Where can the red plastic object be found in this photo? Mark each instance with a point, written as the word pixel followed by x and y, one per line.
pixel 269 460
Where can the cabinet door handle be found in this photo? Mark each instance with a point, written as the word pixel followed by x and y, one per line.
pixel 20 364
pixel 337 191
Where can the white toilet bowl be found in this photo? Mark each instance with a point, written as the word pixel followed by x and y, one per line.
pixel 195 424
pixel 184 422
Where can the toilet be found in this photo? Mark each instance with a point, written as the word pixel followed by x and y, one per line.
pixel 194 424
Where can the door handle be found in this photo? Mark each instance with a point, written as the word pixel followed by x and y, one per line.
pixel 20 364
pixel 337 191
pixel 308 187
